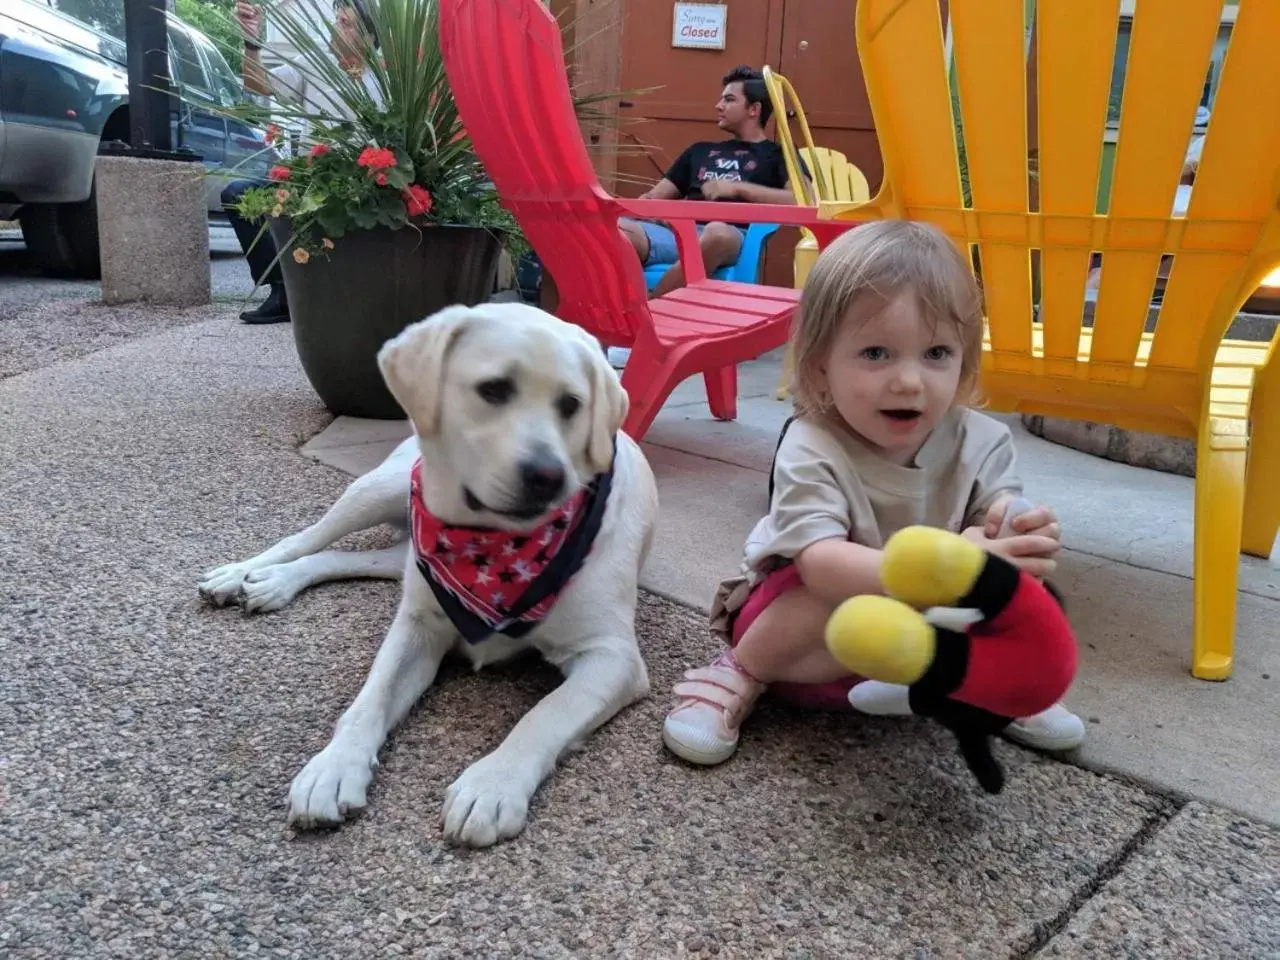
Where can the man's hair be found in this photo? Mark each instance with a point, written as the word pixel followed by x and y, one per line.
pixel 753 88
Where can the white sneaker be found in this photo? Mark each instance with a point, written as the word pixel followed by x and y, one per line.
pixel 1054 729
pixel 715 699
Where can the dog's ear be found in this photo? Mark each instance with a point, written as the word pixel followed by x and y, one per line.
pixel 413 364
pixel 608 407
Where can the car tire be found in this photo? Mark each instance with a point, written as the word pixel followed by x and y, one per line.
pixel 62 238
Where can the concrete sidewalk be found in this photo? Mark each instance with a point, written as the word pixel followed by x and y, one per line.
pixel 147 742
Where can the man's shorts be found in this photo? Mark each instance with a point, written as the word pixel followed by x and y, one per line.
pixel 662 242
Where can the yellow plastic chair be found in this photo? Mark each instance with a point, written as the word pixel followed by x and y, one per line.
pixel 1182 379
pixel 834 178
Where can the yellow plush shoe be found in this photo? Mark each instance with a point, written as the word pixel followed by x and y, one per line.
pixel 927 567
pixel 881 639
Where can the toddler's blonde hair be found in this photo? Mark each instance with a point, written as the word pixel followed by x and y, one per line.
pixel 880 260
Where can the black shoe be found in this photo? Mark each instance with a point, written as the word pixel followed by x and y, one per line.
pixel 274 309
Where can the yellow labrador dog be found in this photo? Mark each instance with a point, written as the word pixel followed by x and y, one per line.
pixel 528 516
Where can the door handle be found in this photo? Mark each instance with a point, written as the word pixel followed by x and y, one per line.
pixel 625 103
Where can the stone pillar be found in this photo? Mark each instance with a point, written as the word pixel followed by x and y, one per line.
pixel 154 231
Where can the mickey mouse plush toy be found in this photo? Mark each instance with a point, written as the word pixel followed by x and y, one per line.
pixel 977 641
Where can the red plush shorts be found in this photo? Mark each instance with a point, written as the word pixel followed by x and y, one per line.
pixel 819 696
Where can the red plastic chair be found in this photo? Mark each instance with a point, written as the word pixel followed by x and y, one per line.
pixel 513 96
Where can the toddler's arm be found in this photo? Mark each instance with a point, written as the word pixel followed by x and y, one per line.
pixel 836 570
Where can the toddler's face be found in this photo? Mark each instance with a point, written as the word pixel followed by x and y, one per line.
pixel 894 375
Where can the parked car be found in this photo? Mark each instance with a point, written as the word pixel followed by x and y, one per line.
pixel 64 94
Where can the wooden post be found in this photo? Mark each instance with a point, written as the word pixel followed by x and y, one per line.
pixel 593 45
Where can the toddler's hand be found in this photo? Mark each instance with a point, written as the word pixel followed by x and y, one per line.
pixel 1032 552
pixel 1040 521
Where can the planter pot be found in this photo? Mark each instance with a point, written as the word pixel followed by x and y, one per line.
pixel 373 284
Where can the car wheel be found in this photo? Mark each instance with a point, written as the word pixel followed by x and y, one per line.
pixel 62 238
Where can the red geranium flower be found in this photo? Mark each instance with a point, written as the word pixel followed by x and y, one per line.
pixel 377 158
pixel 279 172
pixel 319 150
pixel 381 179
pixel 417 200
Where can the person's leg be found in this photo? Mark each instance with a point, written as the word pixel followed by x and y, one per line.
pixel 260 253
pixel 778 632
pixel 634 232
pixel 720 244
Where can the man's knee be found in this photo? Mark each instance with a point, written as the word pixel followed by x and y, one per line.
pixel 721 241
pixel 636 236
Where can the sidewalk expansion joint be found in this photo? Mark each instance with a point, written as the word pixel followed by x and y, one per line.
pixel 1043 933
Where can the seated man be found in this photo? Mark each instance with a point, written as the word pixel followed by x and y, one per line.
pixel 748 167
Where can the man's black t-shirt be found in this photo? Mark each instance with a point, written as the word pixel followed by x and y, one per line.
pixel 761 162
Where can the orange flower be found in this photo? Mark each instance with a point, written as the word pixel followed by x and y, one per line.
pixel 327 243
pixel 377 158
pixel 282 195
pixel 417 200
pixel 300 255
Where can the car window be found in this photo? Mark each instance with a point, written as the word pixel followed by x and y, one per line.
pixel 187 68
pixel 226 85
pixel 104 15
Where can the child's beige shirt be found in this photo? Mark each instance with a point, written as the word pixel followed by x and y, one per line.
pixel 828 484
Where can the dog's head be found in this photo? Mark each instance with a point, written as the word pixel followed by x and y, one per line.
pixel 514 409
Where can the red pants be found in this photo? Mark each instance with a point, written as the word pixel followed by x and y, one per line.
pixel 818 696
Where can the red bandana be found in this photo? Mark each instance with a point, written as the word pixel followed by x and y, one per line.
pixel 485 572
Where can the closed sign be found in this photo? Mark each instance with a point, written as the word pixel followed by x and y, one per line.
pixel 699 26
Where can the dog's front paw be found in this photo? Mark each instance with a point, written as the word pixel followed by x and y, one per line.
pixel 223 585
pixel 268 588
pixel 488 803
pixel 330 788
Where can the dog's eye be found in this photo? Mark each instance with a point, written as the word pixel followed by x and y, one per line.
pixel 568 405
pixel 496 391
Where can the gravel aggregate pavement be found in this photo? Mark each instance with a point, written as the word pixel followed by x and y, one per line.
pixel 147 742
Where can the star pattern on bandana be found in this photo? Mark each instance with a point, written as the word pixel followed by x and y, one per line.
pixel 489 570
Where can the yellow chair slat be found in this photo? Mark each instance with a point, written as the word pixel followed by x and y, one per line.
pixel 1226 206
pixel 1075 46
pixel 994 120
pixel 1164 79
pixel 1075 51
pixel 913 122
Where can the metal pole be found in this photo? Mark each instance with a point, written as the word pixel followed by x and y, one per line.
pixel 151 100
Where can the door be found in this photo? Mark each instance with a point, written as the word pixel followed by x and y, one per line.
pixel 818 56
pixel 682 111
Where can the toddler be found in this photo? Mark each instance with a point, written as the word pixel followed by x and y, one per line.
pixel 887 346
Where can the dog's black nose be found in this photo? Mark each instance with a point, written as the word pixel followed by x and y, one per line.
pixel 542 478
